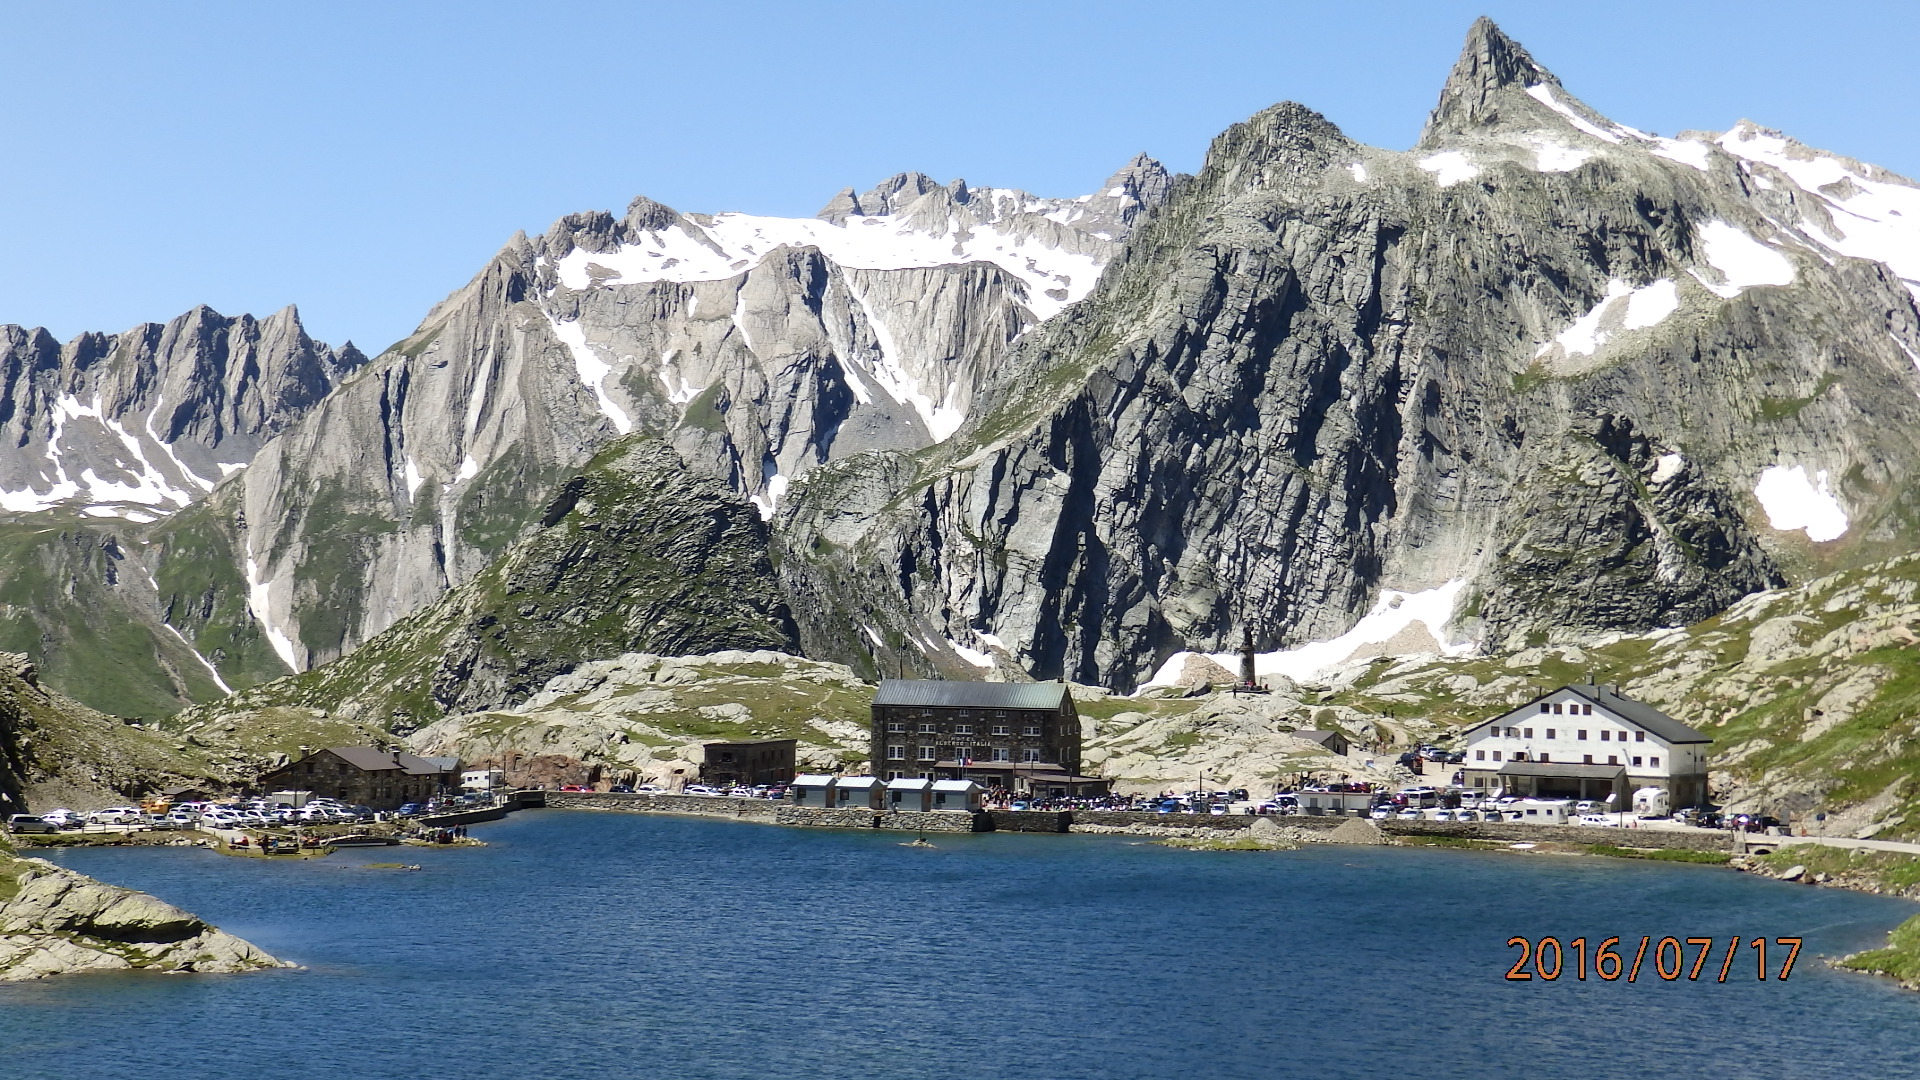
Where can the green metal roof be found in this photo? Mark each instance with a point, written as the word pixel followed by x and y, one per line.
pixel 975 695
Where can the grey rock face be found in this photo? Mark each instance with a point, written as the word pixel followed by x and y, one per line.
pixel 759 348
pixel 1323 370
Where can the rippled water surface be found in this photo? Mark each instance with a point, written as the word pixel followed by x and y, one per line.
pixel 583 944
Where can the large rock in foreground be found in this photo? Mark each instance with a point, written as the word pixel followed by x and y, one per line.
pixel 58 922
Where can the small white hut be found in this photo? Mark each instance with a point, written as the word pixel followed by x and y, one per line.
pixel 859 792
pixel 910 793
pixel 811 789
pixel 957 795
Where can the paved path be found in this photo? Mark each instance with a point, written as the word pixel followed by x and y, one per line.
pixel 1756 840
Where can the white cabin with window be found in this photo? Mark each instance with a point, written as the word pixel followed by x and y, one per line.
pixel 958 795
pixel 859 792
pixel 811 789
pixel 1587 741
pixel 910 793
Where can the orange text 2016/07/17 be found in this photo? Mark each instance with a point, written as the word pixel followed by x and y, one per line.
pixel 1669 959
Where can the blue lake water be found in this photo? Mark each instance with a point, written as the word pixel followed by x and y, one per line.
pixel 592 945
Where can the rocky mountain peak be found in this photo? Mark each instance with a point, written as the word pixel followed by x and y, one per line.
pixel 1278 143
pixel 1487 84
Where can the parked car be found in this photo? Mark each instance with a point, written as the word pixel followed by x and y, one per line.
pixel 1466 815
pixel 29 823
pixel 117 815
pixel 409 809
pixel 1604 821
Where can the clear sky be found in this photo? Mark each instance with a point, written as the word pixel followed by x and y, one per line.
pixel 362 160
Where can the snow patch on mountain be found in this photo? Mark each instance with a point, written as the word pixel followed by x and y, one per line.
pixel 1394 614
pixel 1793 502
pixel 1875 215
pixel 260 604
pixel 1742 261
pixel 713 248
pixel 592 369
pixel 1450 167
pixel 1624 308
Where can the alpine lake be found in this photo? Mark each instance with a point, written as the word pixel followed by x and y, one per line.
pixel 614 945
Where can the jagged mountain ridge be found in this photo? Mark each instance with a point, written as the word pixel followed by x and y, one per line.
pixel 756 346
pixel 1583 378
pixel 139 424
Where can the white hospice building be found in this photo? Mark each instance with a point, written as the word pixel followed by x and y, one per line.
pixel 1587 742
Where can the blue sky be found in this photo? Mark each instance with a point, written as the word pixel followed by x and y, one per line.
pixel 362 160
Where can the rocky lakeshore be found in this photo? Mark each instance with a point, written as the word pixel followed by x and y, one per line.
pixel 57 922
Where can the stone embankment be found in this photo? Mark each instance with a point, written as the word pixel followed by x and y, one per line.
pixel 56 922
pixel 1133 823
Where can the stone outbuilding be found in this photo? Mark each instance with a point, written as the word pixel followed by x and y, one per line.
pixel 750 763
pixel 366 776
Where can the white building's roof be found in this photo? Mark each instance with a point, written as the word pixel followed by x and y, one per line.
pixel 845 782
pixel 1638 713
pixel 813 780
pixel 909 783
pixel 956 785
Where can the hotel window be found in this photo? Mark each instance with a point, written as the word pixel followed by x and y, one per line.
pixel 1479 755
pixel 1583 735
pixel 1654 762
pixel 1613 759
pixel 1030 755
pixel 896 725
pixel 926 753
pixel 1636 762
pixel 929 729
pixel 1001 753
pixel 1496 755
pixel 1031 730
pixel 896 753
pixel 1587 710
pixel 1605 735
pixel 1002 729
pixel 1519 755
pixel 1586 759
pixel 1639 736
pixel 963 729
pixel 1556 706
pixel 1529 733
pixel 1544 707
pixel 1543 757
pixel 963 753
pixel 1550 733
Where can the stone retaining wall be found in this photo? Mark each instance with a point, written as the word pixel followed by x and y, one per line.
pixel 1060 821
pixel 946 821
pixel 1051 821
pixel 849 817
pixel 1566 834
pixel 703 805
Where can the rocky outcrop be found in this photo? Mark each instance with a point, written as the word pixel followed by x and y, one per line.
pixel 56 922
pixel 55 751
pixel 642 718
pixel 1542 354
pixel 634 553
